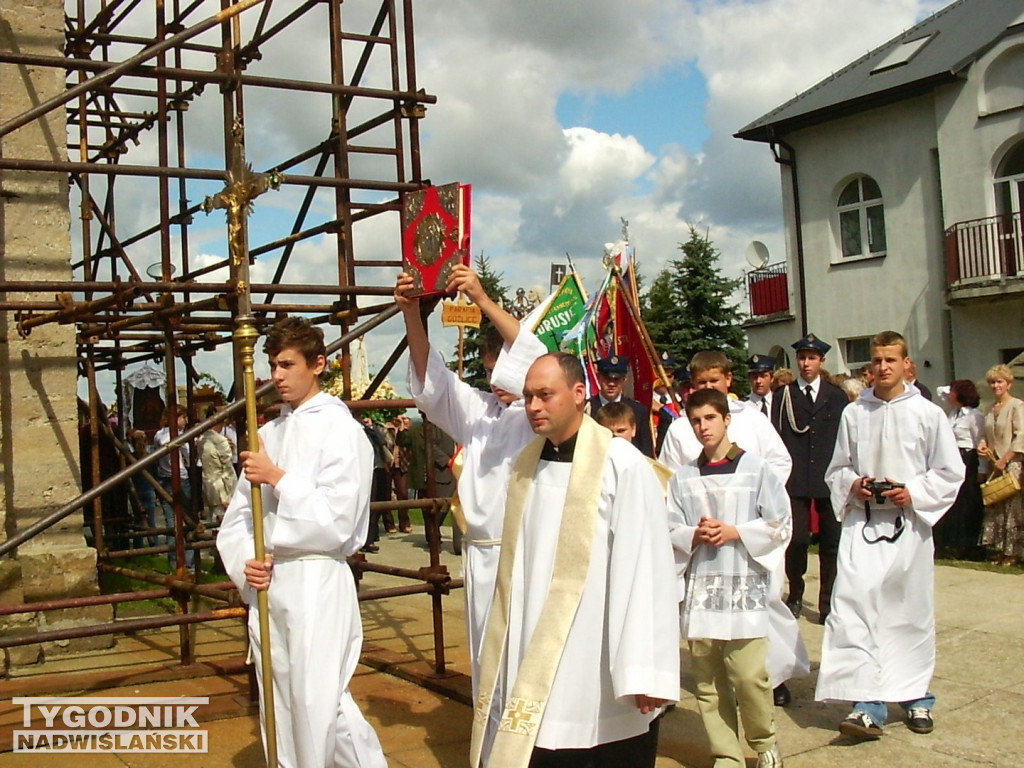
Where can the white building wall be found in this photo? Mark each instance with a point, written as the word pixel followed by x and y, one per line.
pixel 934 158
pixel 765 339
pixel 993 326
pixel 972 139
pixel 902 291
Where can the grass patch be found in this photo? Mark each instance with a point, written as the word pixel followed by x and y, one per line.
pixel 971 565
pixel 111 583
pixel 976 565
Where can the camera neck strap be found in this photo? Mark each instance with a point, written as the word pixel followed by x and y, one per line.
pixel 900 526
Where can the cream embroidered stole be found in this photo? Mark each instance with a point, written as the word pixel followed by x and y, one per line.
pixel 663 473
pixel 524 709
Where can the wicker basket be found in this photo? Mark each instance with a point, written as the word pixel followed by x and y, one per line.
pixel 999 488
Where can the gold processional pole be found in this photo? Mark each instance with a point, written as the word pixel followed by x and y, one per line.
pixel 236 199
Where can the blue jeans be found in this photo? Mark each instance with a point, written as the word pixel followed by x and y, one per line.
pixel 878 712
pixel 168 520
pixel 147 498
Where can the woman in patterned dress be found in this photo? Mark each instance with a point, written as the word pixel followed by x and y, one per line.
pixel 1003 446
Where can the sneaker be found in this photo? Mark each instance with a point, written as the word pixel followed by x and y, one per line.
pixel 861 727
pixel 919 720
pixel 770 759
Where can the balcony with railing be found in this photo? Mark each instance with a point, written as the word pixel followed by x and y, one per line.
pixel 985 257
pixel 768 291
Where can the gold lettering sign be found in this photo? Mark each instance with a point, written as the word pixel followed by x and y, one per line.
pixel 460 312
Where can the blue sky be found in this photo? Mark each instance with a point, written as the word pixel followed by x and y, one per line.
pixel 665 108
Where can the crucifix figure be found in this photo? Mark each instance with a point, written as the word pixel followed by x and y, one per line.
pixel 236 198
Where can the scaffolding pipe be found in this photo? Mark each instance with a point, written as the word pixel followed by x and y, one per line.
pixel 313 289
pixel 125 66
pixel 197 174
pixel 120 626
pixel 83 602
pixel 200 76
pixel 217 591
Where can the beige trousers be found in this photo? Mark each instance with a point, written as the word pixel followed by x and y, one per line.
pixel 731 676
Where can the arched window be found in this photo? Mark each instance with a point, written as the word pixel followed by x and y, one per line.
pixel 861 219
pixel 1003 83
pixel 1009 181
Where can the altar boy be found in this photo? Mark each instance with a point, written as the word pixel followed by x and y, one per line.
pixel 730 521
pixel 314 467
pixel 879 643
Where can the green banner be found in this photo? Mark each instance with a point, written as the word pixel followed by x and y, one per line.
pixel 564 312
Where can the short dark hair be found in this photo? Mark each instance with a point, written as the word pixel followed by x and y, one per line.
pixel 615 413
pixel 295 333
pixel 890 339
pixel 491 342
pixel 966 393
pixel 572 368
pixel 712 397
pixel 708 360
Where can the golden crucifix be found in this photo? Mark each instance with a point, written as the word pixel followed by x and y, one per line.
pixel 236 199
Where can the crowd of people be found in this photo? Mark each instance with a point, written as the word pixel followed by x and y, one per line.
pixel 597 537
pixel 170 483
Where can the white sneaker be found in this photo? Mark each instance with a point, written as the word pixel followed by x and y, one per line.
pixel 770 759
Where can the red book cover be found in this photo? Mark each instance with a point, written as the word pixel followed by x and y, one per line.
pixel 435 235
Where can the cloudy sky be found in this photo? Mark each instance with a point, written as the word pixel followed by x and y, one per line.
pixel 566 116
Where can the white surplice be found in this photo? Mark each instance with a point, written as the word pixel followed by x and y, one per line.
pixel 879 640
pixel 751 431
pixel 624 638
pixel 491 434
pixel 314 518
pixel 728 588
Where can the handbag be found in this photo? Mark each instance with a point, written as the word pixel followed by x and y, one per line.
pixel 999 488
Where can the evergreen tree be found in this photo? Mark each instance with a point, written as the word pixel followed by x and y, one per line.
pixel 472 367
pixel 689 308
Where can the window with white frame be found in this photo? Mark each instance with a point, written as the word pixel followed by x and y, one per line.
pixel 857 352
pixel 861 219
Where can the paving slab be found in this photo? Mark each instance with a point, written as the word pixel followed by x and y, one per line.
pixel 423 718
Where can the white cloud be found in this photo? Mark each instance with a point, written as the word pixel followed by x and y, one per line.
pixel 597 161
pixel 541 189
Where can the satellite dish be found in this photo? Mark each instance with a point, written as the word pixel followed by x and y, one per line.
pixel 156 271
pixel 757 254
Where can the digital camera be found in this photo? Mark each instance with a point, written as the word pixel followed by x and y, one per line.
pixel 878 487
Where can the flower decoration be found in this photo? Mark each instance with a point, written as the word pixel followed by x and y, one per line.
pixel 333 383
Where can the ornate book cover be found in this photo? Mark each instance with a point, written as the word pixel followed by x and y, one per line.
pixel 435 235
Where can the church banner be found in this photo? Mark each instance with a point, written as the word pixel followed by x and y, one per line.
pixel 563 312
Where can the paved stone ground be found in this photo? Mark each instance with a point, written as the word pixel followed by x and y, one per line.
pixel 979 682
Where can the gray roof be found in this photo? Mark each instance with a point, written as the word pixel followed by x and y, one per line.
pixel 956 36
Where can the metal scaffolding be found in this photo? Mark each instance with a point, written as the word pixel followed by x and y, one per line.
pixel 161 96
